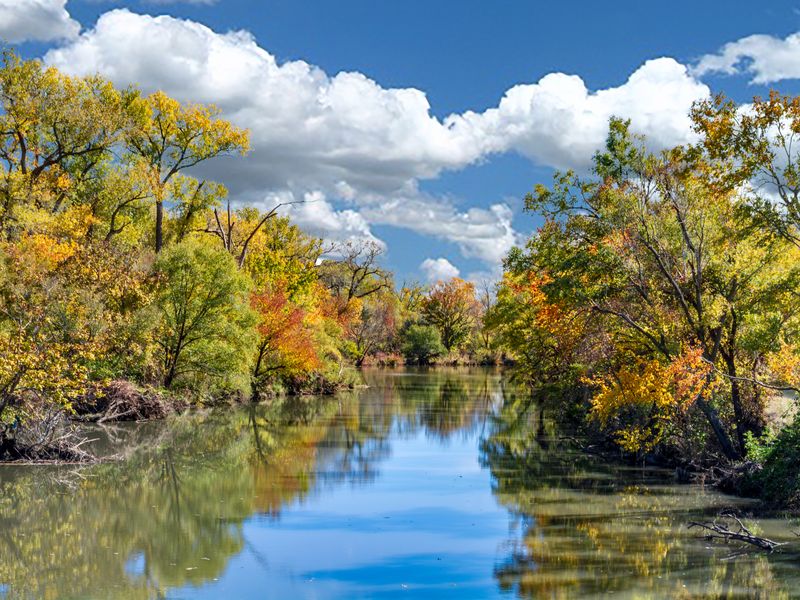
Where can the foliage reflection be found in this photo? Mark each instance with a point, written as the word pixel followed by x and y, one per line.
pixel 589 528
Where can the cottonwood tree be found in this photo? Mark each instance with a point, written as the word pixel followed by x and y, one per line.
pixel 56 136
pixel 670 265
pixel 170 137
pixel 237 229
pixel 356 274
pixel 754 150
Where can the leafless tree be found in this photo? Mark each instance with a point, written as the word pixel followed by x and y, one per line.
pixel 357 273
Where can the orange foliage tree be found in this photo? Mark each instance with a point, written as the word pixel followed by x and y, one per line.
pixel 647 397
pixel 452 308
pixel 286 341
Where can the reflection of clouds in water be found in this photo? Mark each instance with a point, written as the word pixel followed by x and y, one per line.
pixel 135 565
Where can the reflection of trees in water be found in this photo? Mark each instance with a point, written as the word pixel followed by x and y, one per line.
pixel 72 540
pixel 319 441
pixel 172 512
pixel 442 402
pixel 166 517
pixel 586 528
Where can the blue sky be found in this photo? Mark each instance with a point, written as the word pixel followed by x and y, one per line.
pixel 380 164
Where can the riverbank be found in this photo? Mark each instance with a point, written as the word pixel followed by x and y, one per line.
pixel 54 437
pixel 769 475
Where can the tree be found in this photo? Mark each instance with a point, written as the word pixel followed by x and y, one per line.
pixel 298 329
pixel 667 263
pixel 206 319
pixel 237 234
pixel 422 343
pixel 452 308
pixel 375 326
pixel 754 150
pixel 68 316
pixel 57 135
pixel 650 398
pixel 169 138
pixel 43 350
pixel 286 342
pixel 486 298
pixel 356 275
pixel 281 251
pixel 546 339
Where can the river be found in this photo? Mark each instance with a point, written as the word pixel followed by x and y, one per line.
pixel 420 486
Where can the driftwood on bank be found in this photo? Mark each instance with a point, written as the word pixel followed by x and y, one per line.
pixel 740 533
pixel 52 438
pixel 123 401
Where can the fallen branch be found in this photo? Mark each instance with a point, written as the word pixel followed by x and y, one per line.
pixel 123 401
pixel 721 531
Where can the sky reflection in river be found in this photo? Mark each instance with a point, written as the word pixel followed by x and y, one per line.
pixel 420 486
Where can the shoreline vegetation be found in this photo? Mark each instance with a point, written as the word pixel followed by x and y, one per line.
pixel 656 310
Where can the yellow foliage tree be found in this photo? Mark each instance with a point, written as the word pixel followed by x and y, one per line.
pixel 647 396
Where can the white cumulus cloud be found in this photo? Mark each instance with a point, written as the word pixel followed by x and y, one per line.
pixel 487 234
pixel 355 142
pixel 36 20
pixel 316 215
pixel 559 122
pixel 306 125
pixel 438 269
pixel 765 58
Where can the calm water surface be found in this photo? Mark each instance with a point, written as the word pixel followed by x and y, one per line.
pixel 426 485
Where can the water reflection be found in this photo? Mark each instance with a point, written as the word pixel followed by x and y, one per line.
pixel 588 528
pixel 430 484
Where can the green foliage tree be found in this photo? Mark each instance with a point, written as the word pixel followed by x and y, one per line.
pixel 206 321
pixel 422 344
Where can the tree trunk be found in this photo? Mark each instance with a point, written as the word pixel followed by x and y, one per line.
pixel 738 412
pixel 159 225
pixel 256 376
pixel 719 430
pixel 746 419
pixel 170 376
pixel 171 366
